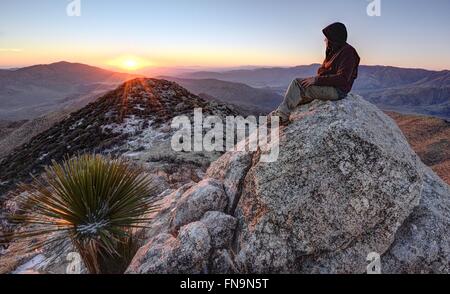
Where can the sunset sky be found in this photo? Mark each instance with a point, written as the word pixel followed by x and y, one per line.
pixel 134 34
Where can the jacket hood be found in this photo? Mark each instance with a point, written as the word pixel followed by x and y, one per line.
pixel 336 32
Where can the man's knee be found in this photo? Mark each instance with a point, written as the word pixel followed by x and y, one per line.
pixel 295 84
pixel 298 82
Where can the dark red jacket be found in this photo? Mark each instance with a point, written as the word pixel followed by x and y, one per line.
pixel 341 70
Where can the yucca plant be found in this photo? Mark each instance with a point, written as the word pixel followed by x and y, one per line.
pixel 91 200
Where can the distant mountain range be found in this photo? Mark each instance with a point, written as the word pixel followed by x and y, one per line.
pixel 250 100
pixel 391 88
pixel 29 92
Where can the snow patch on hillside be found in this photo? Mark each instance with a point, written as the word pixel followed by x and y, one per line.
pixel 141 135
pixel 146 139
pixel 131 126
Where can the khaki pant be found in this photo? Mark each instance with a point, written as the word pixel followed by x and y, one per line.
pixel 298 95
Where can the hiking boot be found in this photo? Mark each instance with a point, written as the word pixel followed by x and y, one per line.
pixel 284 118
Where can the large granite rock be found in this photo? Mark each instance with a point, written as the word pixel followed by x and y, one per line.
pixel 231 169
pixel 165 254
pixel 208 195
pixel 346 185
pixel 221 228
pixel 345 180
pixel 422 244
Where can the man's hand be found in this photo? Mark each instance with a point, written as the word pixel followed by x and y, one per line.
pixel 308 82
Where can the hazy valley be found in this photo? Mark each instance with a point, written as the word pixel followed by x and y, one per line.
pixel 399 89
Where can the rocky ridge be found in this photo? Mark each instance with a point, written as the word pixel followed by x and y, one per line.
pixel 133 120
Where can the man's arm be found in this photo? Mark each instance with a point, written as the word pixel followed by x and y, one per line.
pixel 343 75
pixel 321 69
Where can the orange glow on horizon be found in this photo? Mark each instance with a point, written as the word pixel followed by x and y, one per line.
pixel 183 58
pixel 129 63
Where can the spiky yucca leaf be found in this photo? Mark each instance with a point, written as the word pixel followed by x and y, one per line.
pixel 92 200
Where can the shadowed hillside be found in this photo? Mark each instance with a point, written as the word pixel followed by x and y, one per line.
pixel 430 139
pixel 252 100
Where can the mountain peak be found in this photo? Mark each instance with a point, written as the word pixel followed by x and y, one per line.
pixel 126 120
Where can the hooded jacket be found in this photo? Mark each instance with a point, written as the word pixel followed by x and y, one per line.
pixel 340 68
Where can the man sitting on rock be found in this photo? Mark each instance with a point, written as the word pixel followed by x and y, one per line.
pixel 334 79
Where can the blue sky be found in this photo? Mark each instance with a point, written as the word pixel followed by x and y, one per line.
pixel 222 32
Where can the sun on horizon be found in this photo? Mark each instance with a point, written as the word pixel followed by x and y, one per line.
pixel 129 63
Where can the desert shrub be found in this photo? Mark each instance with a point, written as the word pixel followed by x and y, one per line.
pixel 93 201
